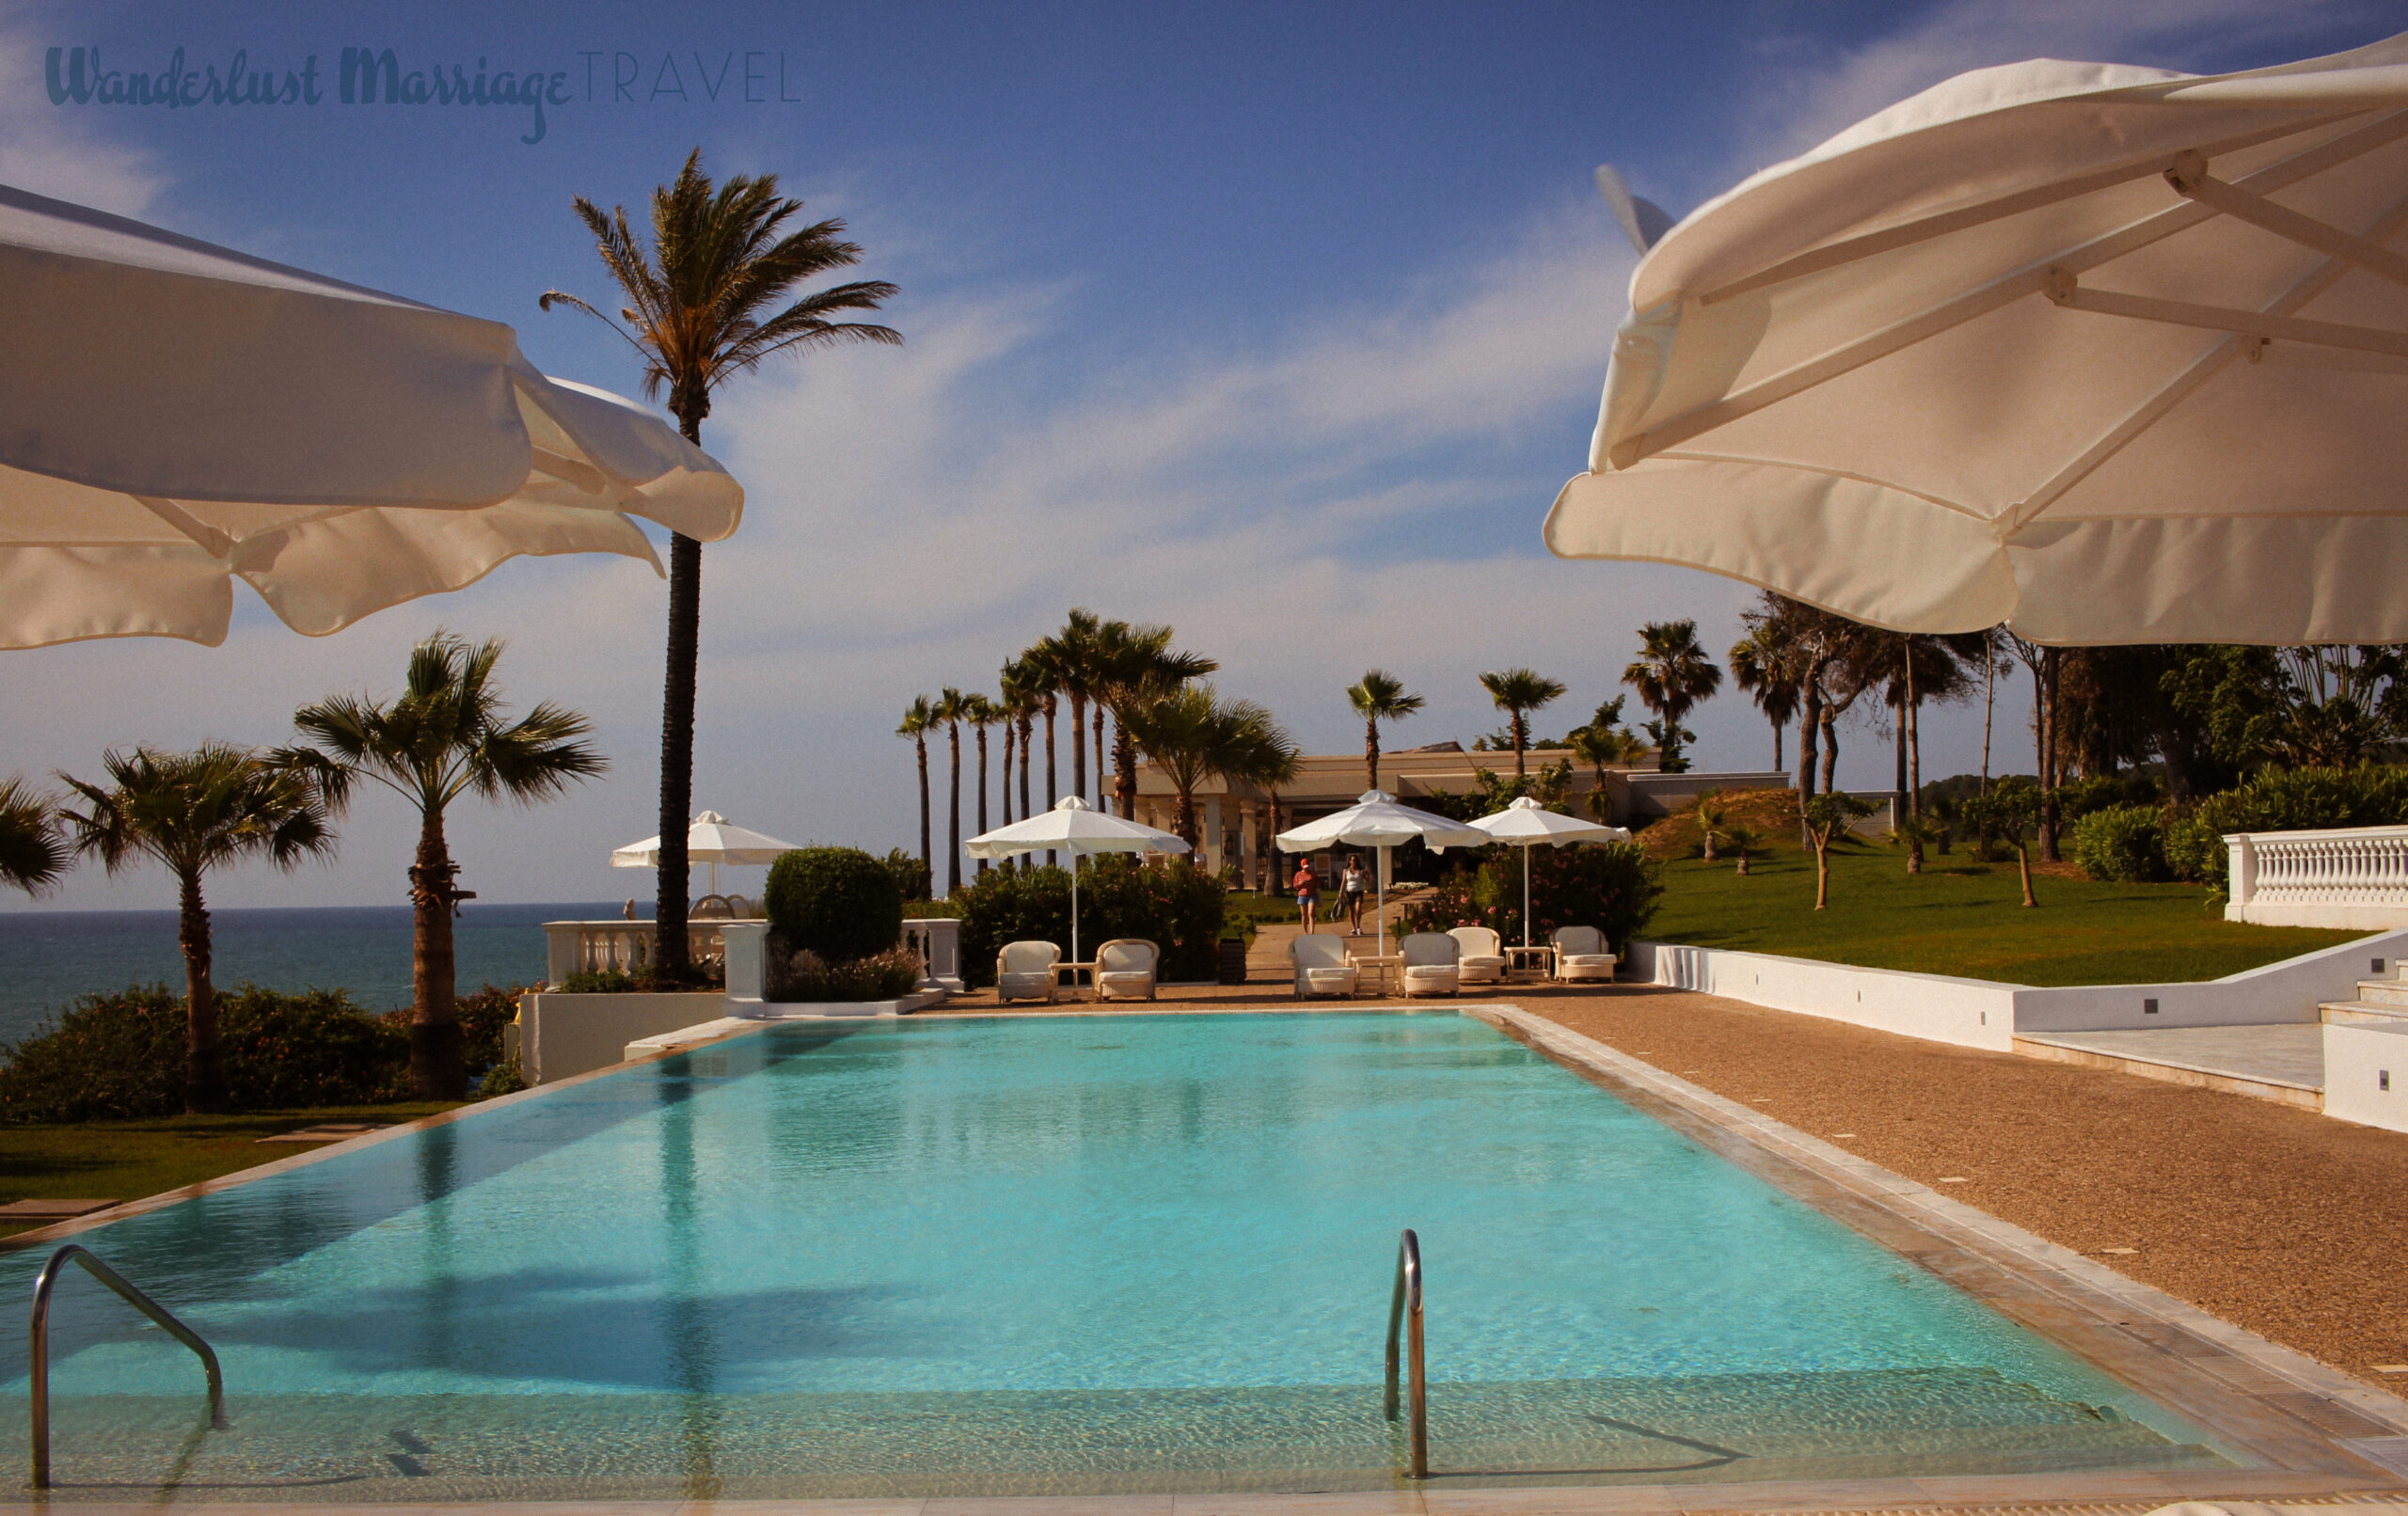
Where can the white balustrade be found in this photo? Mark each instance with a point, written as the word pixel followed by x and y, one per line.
pixel 2350 879
pixel 598 947
pixel 938 941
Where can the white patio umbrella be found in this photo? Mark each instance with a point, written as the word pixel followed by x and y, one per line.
pixel 180 416
pixel 2111 354
pixel 1375 820
pixel 1526 824
pixel 712 839
pixel 1071 828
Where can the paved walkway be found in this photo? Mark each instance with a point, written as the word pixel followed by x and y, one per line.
pixel 2291 1054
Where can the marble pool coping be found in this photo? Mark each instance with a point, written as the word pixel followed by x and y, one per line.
pixel 2325 1441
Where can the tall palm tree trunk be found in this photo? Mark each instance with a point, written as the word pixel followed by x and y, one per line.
pixel 1052 794
pixel 678 744
pixel 1990 708
pixel 204 1068
pixel 1098 755
pixel 437 1069
pixel 1124 771
pixel 1776 747
pixel 1521 743
pixel 953 819
pixel 982 790
pixel 2050 660
pixel 1027 730
pixel 928 857
pixel 1372 754
pixel 1004 789
pixel 1079 746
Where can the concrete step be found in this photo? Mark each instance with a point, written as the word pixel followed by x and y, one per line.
pixel 2363 1012
pixel 2383 992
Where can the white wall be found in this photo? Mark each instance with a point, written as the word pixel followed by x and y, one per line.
pixel 1970 1012
pixel 1979 1013
pixel 564 1035
pixel 2286 991
pixel 2356 1059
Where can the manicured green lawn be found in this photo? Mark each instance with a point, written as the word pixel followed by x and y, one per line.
pixel 131 1160
pixel 1965 917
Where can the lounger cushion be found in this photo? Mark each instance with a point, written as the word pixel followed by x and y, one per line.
pixel 1137 983
pixel 1024 986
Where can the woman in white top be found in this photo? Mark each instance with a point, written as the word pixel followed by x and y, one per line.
pixel 1350 893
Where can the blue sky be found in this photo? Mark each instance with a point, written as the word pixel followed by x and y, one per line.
pixel 1279 323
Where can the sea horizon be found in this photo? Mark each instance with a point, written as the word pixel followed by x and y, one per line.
pixel 51 959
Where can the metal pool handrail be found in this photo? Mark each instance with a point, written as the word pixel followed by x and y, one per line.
pixel 1404 1310
pixel 38 1377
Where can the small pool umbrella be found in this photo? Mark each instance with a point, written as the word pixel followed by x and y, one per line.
pixel 1526 823
pixel 1071 828
pixel 2108 353
pixel 181 416
pixel 1375 820
pixel 712 839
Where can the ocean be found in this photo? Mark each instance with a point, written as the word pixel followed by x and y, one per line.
pixel 49 958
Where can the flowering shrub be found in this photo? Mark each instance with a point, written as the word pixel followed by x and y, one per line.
pixel 1610 886
pixel 806 976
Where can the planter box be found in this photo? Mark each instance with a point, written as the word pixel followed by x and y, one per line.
pixel 1232 962
pixel 562 1035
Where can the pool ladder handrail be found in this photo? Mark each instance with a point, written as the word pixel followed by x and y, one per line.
pixel 1404 1310
pixel 38 1376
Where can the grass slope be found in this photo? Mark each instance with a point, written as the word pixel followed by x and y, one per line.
pixel 133 1159
pixel 1965 917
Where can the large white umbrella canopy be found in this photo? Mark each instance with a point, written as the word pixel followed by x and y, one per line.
pixel 2108 353
pixel 1071 828
pixel 176 415
pixel 1375 820
pixel 1526 823
pixel 712 839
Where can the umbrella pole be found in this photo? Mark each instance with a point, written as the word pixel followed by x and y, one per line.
pixel 1381 925
pixel 1526 895
pixel 1074 914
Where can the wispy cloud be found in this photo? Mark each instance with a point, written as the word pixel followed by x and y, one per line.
pixel 49 152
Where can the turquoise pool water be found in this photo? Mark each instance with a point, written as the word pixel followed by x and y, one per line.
pixel 1042 1254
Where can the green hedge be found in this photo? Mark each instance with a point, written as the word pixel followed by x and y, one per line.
pixel 2296 800
pixel 1177 906
pixel 122 1055
pixel 2123 843
pixel 1611 886
pixel 839 903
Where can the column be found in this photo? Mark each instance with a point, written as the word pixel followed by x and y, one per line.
pixel 1246 845
pixel 1212 838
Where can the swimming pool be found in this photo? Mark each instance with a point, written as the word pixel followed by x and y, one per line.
pixel 1043 1254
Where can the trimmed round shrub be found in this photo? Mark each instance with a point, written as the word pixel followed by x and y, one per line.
pixel 2195 851
pixel 838 903
pixel 2122 843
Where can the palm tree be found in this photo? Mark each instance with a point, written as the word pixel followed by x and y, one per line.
pixel 194 811
pixel 1518 692
pixel 1131 665
pixel 1063 657
pixel 1672 674
pixel 1379 697
pixel 1023 696
pixel 981 712
pixel 32 854
pixel 1764 664
pixel 447 735
pixel 1194 735
pixel 949 710
pixel 698 313
pixel 1601 747
pixel 919 718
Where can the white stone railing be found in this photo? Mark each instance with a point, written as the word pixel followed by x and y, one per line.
pixel 594 947
pixel 2350 879
pixel 938 941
